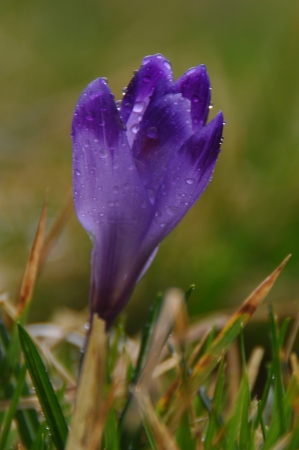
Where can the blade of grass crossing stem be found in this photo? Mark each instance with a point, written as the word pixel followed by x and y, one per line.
pixel 44 390
pixel 32 267
pixel 215 421
pixel 10 413
pixel 229 333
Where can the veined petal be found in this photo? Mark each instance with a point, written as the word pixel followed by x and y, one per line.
pixel 166 125
pixel 195 85
pixel 110 199
pixel 106 183
pixel 155 72
pixel 187 176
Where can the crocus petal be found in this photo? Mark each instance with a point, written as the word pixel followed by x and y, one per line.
pixel 154 72
pixel 195 85
pixel 137 171
pixel 187 176
pixel 165 125
pixel 110 199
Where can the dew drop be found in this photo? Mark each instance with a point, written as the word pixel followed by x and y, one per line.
pixel 151 195
pixel 158 214
pixel 75 193
pixel 162 225
pixel 167 64
pixel 146 79
pixel 90 116
pixel 77 172
pixel 118 104
pixel 171 210
pixel 138 107
pixel 111 204
pixel 210 105
pixel 134 128
pixel 189 180
pixel 103 153
pixel 102 214
pixel 152 133
pixel 195 98
pixel 86 143
pixel 95 94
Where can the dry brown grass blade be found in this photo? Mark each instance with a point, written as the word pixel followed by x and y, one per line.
pixel 90 397
pixel 57 228
pixel 171 306
pixel 32 266
pixel 163 438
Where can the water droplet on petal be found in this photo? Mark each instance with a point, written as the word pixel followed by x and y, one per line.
pixel 138 107
pixel 211 105
pixel 152 133
pixel 116 189
pixel 111 204
pixel 103 153
pixel 167 64
pixel 158 214
pixel 77 172
pixel 189 180
pixel 195 98
pixel 151 195
pixel 86 144
pixel 94 94
pixel 171 210
pixel 134 128
pixel 146 79
pixel 118 104
pixel 90 116
pixel 162 225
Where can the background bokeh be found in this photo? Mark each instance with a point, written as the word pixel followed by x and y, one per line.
pixel 246 221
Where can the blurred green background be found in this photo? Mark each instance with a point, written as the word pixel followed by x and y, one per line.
pixel 246 221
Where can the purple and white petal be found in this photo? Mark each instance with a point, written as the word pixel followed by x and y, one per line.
pixel 154 74
pixel 195 85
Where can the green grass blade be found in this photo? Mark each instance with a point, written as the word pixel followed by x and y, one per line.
pixel 184 436
pixel 12 408
pixel 111 432
pixel 44 390
pixel 215 420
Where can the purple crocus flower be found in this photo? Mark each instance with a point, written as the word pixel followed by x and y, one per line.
pixel 138 167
